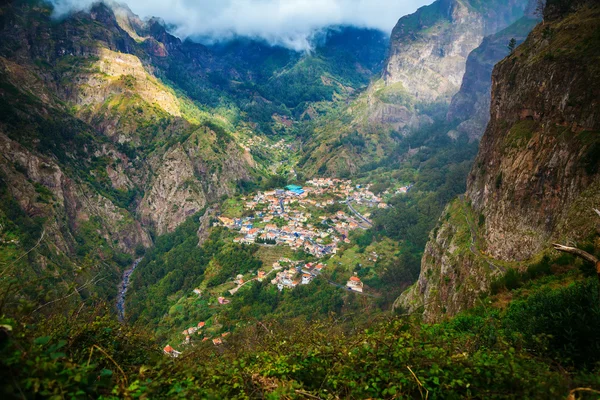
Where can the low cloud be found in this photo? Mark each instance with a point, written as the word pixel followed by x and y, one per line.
pixel 289 23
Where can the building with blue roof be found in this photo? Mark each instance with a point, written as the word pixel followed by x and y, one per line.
pixel 295 189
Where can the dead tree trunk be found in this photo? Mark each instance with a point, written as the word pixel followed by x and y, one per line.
pixel 583 255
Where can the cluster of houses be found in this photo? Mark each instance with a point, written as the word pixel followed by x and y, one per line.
pixel 344 188
pixel 298 274
pixel 282 217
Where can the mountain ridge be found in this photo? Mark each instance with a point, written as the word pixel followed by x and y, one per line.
pixel 535 179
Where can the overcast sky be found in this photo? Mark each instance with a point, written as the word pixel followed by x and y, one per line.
pixel 284 22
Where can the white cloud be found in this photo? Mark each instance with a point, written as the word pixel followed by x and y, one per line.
pixel 285 22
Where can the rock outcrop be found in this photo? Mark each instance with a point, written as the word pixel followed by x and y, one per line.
pixel 426 64
pixel 429 49
pixel 470 107
pixel 537 175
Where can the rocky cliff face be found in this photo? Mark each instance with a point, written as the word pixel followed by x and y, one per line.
pixel 536 177
pixel 425 67
pixel 429 49
pixel 470 107
pixel 97 63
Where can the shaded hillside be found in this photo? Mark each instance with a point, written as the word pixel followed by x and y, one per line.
pixel 470 107
pixel 535 179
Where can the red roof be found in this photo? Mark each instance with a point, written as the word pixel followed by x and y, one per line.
pixel 168 349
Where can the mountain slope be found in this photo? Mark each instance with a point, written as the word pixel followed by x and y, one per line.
pixel 84 127
pixel 424 69
pixel 470 107
pixel 535 180
pixel 429 49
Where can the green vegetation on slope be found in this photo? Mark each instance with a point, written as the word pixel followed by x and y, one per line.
pixel 542 345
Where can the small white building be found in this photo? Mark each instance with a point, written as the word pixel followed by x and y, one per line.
pixel 355 284
pixel 306 279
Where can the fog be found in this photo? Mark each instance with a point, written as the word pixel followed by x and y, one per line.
pixel 290 23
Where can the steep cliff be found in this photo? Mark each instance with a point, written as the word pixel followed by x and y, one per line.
pixel 429 49
pixel 426 63
pixel 470 107
pixel 536 177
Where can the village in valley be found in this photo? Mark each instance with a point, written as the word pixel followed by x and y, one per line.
pixel 315 220
pixel 298 216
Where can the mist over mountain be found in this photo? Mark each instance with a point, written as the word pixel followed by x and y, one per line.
pixel 290 23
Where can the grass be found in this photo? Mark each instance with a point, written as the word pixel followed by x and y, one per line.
pixel 270 254
pixel 520 134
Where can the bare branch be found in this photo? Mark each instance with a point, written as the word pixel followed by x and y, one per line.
pixel 577 252
pixel 92 281
pixel 11 266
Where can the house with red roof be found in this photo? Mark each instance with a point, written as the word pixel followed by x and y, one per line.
pixel 170 351
pixel 355 284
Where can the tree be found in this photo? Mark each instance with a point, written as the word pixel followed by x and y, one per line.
pixel 539 8
pixel 512 45
pixel 582 254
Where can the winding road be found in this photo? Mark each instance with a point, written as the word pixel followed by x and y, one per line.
pixel 359 215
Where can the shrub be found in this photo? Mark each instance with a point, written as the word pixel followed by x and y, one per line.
pixel 561 323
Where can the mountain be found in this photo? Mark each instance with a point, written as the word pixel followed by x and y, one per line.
pixel 535 180
pixel 99 154
pixel 426 62
pixel 469 109
pixel 429 48
pixel 115 131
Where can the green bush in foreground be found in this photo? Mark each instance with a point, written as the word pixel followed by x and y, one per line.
pixel 482 354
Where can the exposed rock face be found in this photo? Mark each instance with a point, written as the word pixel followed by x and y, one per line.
pixel 470 107
pixel 186 179
pixel 70 200
pixel 536 177
pixel 539 153
pixel 429 49
pixel 204 228
pixel 173 196
pixel 425 67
